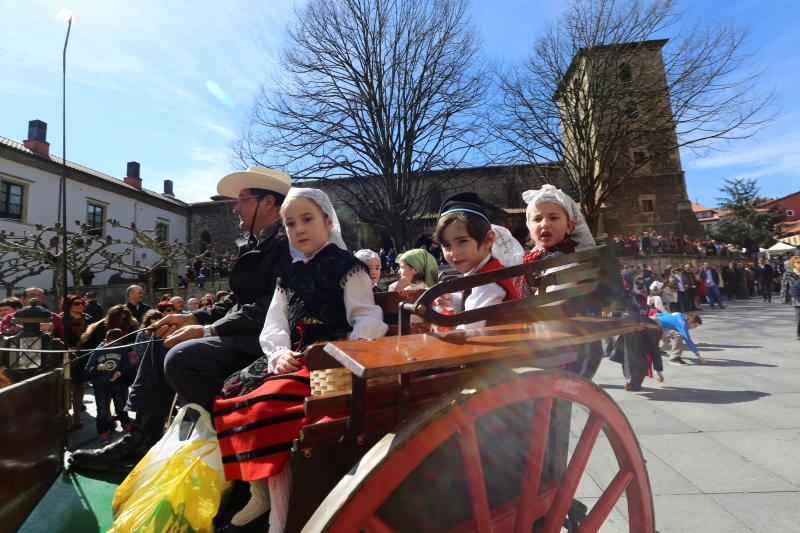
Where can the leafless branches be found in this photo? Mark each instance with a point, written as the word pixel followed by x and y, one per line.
pixel 589 98
pixel 373 94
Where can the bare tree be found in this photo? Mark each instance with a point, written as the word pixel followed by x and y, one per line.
pixel 41 250
pixel 591 98
pixel 171 255
pixel 374 94
pixel 14 269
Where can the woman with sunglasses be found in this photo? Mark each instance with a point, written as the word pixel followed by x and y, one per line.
pixel 79 320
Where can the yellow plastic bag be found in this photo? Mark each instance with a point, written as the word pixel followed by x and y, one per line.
pixel 176 487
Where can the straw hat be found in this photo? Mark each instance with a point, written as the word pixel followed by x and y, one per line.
pixel 254 178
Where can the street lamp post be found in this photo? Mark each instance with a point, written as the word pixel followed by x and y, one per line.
pixel 67 318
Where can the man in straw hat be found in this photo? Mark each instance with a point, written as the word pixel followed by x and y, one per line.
pixel 208 345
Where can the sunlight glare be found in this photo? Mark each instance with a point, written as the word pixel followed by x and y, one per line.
pixel 65 15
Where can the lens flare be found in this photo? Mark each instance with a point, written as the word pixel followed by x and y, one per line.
pixel 217 92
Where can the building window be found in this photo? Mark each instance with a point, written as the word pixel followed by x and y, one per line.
pixel 162 231
pixel 95 217
pixel 647 206
pixel 625 74
pixel 638 157
pixel 11 197
pixel 789 213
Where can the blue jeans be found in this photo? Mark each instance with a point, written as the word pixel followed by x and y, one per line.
pixel 102 394
pixel 712 296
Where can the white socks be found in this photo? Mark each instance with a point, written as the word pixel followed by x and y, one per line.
pixel 279 487
pixel 258 504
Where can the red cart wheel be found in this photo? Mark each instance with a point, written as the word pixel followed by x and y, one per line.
pixel 357 502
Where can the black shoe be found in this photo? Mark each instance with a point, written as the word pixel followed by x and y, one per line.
pixel 120 455
pixel 678 361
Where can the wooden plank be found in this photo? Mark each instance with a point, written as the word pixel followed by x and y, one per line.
pixel 391 356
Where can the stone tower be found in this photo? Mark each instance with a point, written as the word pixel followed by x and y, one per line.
pixel 624 97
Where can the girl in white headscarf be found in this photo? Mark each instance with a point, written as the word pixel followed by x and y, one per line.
pixel 373 262
pixel 325 295
pixel 556 224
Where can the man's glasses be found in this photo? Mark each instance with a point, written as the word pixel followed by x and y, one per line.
pixel 240 198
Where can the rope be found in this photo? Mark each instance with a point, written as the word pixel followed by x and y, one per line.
pixel 89 353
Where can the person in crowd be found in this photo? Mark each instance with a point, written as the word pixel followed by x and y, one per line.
pixel 669 294
pixel 750 276
pixel 764 274
pixel 794 292
pixel 93 308
pixel 741 281
pixel 142 342
pixel 192 305
pixel 206 303
pixel 166 308
pixel 326 294
pixel 210 344
pixel 677 275
pixel 690 287
pixel 106 369
pixel 220 296
pixel 789 277
pixel 373 262
pixel 179 305
pixel 729 280
pixel 418 270
pixel 466 236
pixel 675 330
pixel 118 316
pixel 79 321
pixel 710 277
pixel 9 305
pixel 135 295
pixel 31 296
pixel 654 299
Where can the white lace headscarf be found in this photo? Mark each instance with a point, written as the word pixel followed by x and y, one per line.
pixel 580 235
pixel 321 199
pixel 506 248
pixel 366 254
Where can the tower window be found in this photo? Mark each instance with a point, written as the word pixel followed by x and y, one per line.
pixel 638 157
pixel 625 74
pixel 647 206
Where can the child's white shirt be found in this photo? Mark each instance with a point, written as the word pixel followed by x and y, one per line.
pixel 482 296
pixel 412 287
pixel 363 315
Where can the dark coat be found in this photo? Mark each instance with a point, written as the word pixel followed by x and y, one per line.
pixel 95 310
pixel 138 312
pixel 714 275
pixel 794 292
pixel 252 282
pixel 764 274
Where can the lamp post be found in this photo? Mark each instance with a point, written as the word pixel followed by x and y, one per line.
pixel 63 207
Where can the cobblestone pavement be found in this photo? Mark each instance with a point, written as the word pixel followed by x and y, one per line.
pixel 722 441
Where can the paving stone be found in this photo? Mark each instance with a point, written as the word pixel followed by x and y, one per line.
pixel 777 511
pixel 710 466
pixel 775 450
pixel 685 513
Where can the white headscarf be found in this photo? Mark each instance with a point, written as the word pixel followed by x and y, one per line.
pixel 506 248
pixel 366 254
pixel 549 193
pixel 321 199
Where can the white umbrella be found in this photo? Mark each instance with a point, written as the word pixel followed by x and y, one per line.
pixel 781 247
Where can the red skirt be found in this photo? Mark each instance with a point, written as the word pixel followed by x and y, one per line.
pixel 256 430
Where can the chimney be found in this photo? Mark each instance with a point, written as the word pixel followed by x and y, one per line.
pixel 37 138
pixel 168 188
pixel 132 176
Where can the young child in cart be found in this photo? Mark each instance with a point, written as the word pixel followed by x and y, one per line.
pixel 471 244
pixel 325 295
pixel 418 270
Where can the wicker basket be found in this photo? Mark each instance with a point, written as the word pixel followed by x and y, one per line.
pixel 338 380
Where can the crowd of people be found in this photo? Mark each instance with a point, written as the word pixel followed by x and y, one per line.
pixel 652 242
pixel 295 283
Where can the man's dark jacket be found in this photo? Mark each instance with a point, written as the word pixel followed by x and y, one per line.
pixel 714 275
pixel 764 274
pixel 139 312
pixel 252 282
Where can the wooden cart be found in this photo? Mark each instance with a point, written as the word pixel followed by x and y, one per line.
pixel 468 430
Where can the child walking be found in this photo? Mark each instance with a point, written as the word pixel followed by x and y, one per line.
pixel 325 295
pixel 108 369
pixel 469 243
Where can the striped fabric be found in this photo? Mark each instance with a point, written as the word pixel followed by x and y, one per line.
pixel 256 430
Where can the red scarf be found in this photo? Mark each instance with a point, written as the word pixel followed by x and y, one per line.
pixel 507 284
pixel 567 246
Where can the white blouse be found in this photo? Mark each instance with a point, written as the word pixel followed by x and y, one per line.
pixel 482 296
pixel 363 315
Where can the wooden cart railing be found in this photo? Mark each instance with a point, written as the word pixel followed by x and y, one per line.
pixel 538 331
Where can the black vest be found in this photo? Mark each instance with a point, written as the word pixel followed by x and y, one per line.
pixel 315 295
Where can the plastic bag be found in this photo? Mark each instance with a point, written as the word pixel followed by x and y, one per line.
pixel 177 486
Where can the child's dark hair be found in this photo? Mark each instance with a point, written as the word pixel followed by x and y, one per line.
pixel 695 319
pixel 477 226
pixel 113 334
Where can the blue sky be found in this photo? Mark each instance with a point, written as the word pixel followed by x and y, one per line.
pixel 169 84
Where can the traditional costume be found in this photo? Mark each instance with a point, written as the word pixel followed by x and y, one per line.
pixel 324 297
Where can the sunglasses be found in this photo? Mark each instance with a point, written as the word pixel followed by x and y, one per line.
pixel 78 303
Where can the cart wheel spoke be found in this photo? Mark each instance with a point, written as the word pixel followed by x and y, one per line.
pixel 569 483
pixel 471 457
pixel 606 502
pixel 376 525
pixel 529 492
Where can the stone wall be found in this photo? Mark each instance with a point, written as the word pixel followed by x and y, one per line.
pixel 214 222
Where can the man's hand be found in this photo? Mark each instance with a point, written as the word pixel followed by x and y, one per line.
pixel 184 333
pixel 660 377
pixel 116 376
pixel 101 367
pixel 170 323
